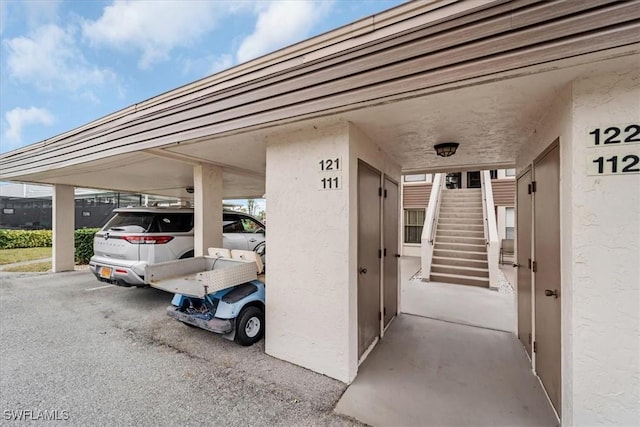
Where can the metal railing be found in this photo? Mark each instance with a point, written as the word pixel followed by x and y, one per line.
pixel 491 228
pixel 430 224
pixel 436 213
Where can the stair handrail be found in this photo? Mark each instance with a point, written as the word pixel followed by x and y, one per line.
pixel 490 228
pixel 430 224
pixel 436 211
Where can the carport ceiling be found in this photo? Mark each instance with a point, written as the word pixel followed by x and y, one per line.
pixel 146 173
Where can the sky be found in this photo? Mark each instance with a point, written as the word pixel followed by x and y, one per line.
pixel 66 63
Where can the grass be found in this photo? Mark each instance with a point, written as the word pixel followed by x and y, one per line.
pixel 9 256
pixel 36 267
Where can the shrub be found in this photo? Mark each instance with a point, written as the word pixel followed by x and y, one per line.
pixel 13 239
pixel 84 244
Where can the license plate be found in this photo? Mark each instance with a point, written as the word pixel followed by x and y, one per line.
pixel 105 272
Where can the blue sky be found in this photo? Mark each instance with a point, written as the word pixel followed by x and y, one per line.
pixel 65 63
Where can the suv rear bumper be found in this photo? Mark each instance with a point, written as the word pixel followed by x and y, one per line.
pixel 121 274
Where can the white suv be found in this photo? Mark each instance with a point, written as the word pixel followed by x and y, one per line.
pixel 135 237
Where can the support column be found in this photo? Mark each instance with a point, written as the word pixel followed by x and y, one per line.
pixel 63 216
pixel 207 194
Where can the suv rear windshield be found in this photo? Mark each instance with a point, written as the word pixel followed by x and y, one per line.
pixel 151 222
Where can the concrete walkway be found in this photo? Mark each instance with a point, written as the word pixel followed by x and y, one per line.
pixel 453 362
pixel 18 264
pixel 427 372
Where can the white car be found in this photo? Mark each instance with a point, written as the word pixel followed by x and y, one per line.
pixel 135 237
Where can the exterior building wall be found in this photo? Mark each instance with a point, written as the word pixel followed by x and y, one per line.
pixel 308 310
pixel 600 235
pixel 311 317
pixel 606 250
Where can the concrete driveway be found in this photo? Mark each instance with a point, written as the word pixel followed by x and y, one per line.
pixel 110 356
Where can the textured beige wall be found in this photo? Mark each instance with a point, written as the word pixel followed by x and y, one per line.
pixel 312 251
pixel 308 291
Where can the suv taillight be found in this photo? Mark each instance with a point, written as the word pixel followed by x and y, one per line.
pixel 148 240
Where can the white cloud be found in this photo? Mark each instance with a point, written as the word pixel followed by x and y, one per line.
pixel 220 63
pixel 18 118
pixel 279 24
pixel 49 59
pixel 154 28
pixel 41 12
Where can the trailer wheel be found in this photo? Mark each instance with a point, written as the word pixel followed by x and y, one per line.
pixel 249 326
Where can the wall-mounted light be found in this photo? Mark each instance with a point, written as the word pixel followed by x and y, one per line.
pixel 446 149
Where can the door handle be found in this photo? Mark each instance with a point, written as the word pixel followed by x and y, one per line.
pixel 363 270
pixel 551 293
pixel 252 240
pixel 396 255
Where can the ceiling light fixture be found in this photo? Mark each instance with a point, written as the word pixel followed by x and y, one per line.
pixel 446 149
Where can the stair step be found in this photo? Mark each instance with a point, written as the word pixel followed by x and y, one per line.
pixel 458 239
pixel 473 200
pixel 460 214
pixel 462 190
pixel 460 270
pixel 461 227
pixel 461 221
pixel 463 262
pixel 461 247
pixel 460 233
pixel 452 253
pixel 463 209
pixel 459 279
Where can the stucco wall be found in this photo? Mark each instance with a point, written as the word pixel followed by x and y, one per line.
pixel 311 317
pixel 307 318
pixel 600 237
pixel 606 267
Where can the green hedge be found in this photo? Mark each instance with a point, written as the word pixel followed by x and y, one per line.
pixel 84 244
pixel 13 239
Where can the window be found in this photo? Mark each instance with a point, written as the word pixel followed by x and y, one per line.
pixel 494 173
pixel 510 172
pixel 175 222
pixel 251 226
pixel 509 220
pixel 415 178
pixel 413 223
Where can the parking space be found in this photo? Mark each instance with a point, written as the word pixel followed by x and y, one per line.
pixel 111 356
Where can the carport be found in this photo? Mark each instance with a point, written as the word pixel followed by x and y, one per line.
pixel 325 128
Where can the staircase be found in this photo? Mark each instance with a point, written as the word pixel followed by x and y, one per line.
pixel 460 251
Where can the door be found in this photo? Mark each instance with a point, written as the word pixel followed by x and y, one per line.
pixel 546 175
pixel 368 256
pixel 233 236
pixel 390 252
pixel 523 230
